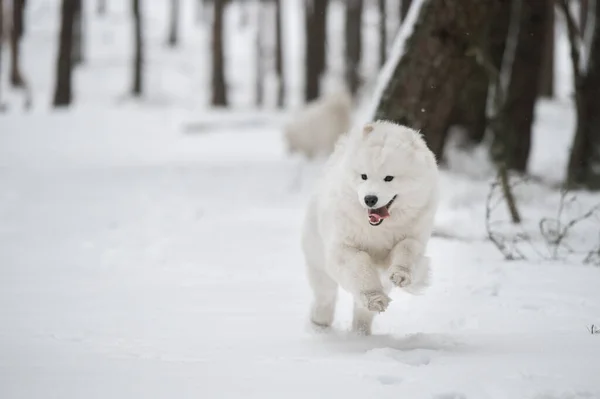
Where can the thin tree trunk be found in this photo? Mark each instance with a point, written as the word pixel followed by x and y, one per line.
pixel 584 6
pixel 174 24
pixel 404 7
pixel 260 72
pixel 547 73
pixel 584 160
pixel 101 7
pixel 219 90
pixel 353 33
pixel 63 91
pixel 316 28
pixel 428 79
pixel 16 77
pixel 279 54
pixel 524 83
pixel 78 33
pixel 138 58
pixel 382 32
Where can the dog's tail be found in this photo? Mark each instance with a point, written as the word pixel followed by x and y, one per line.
pixel 420 277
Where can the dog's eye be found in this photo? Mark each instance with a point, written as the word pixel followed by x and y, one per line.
pixel 363 176
pixel 388 178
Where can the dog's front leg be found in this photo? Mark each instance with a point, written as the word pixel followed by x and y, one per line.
pixel 353 270
pixel 403 258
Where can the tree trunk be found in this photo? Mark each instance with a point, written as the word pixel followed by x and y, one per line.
pixel 584 161
pixel 260 71
pixel 316 28
pixel 524 85
pixel 174 24
pixel 547 73
pixel 428 79
pixel 63 90
pixel 584 6
pixel 16 77
pixel 353 33
pixel 77 57
pixel 404 7
pixel 470 111
pixel 219 91
pixel 382 32
pixel 138 58
pixel 101 7
pixel 279 54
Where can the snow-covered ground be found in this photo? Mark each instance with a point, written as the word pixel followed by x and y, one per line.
pixel 151 250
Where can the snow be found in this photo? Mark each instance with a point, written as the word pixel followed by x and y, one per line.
pixel 151 250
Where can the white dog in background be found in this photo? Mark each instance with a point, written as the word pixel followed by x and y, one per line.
pixel 314 130
pixel 368 224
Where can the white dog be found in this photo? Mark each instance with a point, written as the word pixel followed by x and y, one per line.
pixel 314 130
pixel 368 224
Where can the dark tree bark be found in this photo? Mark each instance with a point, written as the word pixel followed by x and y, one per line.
pixel 219 88
pixel 279 54
pixel 353 32
pixel 63 91
pixel 382 32
pixel 174 24
pixel 101 7
pixel 429 77
pixel 584 161
pixel 77 57
pixel 523 88
pixel 470 111
pixel 16 76
pixel 404 7
pixel 584 6
pixel 316 28
pixel 138 58
pixel 547 73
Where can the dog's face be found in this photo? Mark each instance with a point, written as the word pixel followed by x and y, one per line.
pixel 391 167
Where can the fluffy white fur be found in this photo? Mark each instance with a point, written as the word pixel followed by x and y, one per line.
pixel 314 130
pixel 342 248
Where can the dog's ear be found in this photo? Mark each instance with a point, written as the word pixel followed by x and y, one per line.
pixel 368 129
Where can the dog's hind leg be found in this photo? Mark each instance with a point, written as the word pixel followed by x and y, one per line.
pixel 325 296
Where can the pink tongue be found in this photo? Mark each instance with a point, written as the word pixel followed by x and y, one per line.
pixel 376 215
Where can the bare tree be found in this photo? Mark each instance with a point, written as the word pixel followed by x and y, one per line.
pixel 279 54
pixel 547 72
pixel 138 58
pixel 584 160
pixel 64 65
pixel 353 32
pixel 315 28
pixel 523 88
pixel 382 32
pixel 404 7
pixel 421 92
pixel 101 7
pixel 219 88
pixel 16 76
pixel 78 33
pixel 174 24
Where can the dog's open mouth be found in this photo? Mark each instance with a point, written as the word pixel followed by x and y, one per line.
pixel 377 215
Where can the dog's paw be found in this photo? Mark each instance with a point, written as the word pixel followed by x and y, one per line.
pixel 400 276
pixel 375 301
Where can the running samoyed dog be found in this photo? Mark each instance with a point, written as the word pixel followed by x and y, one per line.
pixel 368 224
pixel 314 130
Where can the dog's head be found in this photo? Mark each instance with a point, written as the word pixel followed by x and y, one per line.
pixel 392 170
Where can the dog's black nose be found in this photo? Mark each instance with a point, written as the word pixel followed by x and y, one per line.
pixel 371 200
